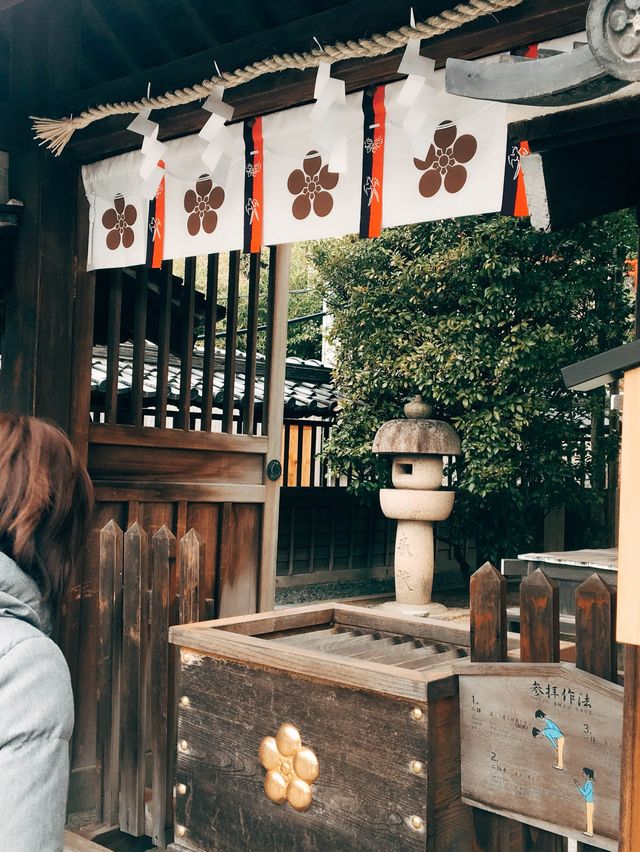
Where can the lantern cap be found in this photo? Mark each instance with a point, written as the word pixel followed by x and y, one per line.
pixel 417 437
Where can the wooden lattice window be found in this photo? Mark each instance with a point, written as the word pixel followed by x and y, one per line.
pixel 181 347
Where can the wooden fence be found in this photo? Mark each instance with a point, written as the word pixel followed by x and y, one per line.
pixel 304 465
pixel 302 445
pixel 145 586
pixel 596 652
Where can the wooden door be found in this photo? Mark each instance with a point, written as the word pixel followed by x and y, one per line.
pixel 177 434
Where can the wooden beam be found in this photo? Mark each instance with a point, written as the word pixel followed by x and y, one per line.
pixel 150 27
pixel 199 22
pixel 538 20
pixel 345 21
pixel 106 32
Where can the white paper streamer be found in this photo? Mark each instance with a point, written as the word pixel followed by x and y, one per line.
pixel 327 117
pixel 215 134
pixel 418 70
pixel 152 152
pixel 417 91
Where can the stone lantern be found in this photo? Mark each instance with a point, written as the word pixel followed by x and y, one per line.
pixel 416 501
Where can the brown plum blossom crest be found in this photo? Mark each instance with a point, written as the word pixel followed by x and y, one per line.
pixel 444 160
pixel 201 204
pixel 311 185
pixel 118 221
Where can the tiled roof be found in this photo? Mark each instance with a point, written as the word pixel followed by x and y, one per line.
pixel 308 385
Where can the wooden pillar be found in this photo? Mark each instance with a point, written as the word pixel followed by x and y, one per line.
pixel 628 630
pixel 274 406
pixel 37 342
pixel 629 836
pixel 628 622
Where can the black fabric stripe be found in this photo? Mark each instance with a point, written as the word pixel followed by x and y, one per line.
pixel 150 230
pixel 367 160
pixel 510 184
pixel 248 182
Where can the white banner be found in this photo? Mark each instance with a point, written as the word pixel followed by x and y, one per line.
pixel 204 210
pixel 395 163
pixel 118 212
pixel 451 165
pixel 303 198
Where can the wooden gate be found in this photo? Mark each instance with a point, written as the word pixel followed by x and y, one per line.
pixel 180 448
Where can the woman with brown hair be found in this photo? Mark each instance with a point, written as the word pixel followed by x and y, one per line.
pixel 45 506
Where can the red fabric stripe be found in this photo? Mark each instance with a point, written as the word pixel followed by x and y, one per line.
pixel 377 166
pixel 158 234
pixel 258 196
pixel 521 206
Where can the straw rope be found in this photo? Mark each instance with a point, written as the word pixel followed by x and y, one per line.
pixel 56 133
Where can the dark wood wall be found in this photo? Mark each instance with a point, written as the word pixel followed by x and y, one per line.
pixel 36 344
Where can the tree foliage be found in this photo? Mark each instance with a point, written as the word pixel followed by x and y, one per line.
pixel 478 315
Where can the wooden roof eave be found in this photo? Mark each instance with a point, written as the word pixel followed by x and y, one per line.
pixel 613 116
pixel 585 161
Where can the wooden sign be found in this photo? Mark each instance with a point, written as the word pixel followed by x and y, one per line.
pixel 541 744
pixel 628 623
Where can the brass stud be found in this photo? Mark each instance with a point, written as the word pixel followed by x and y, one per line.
pixel 288 740
pixel 184 745
pixel 299 795
pixel 417 767
pixel 181 830
pixel 417 823
pixel 184 701
pixel 417 713
pixel 181 789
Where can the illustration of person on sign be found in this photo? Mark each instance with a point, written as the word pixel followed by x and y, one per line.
pixel 553 734
pixel 586 791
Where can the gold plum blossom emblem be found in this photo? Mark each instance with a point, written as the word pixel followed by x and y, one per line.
pixel 291 768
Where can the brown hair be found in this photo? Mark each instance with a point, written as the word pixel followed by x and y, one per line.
pixel 46 499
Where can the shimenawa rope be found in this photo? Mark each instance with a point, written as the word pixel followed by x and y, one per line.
pixel 56 133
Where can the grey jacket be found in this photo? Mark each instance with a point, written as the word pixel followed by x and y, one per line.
pixel 36 720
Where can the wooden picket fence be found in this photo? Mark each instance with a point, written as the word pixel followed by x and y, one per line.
pixel 596 652
pixel 145 586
